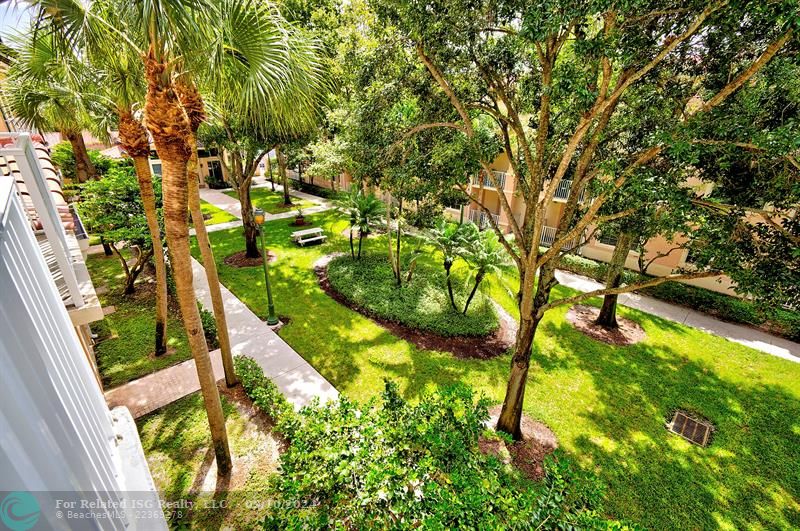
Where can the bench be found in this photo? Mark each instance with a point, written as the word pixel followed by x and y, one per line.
pixel 321 238
pixel 300 234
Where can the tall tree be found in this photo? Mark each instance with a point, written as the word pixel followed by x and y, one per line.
pixel 552 79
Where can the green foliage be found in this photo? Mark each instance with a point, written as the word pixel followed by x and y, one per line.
pixel 209 326
pixel 421 303
pixel 62 156
pixel 396 465
pixel 112 207
pixel 216 182
pixel 263 391
pixel 780 321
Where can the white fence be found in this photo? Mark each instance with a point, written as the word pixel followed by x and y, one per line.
pixel 549 237
pixel 481 219
pixel 500 177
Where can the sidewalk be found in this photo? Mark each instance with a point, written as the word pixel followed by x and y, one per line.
pixel 745 335
pixel 293 375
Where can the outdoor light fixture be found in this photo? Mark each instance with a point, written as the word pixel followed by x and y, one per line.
pixel 259 217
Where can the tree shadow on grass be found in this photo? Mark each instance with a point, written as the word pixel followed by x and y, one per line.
pixel 749 475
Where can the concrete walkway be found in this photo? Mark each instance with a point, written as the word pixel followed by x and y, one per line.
pixel 249 335
pixel 229 204
pixel 751 337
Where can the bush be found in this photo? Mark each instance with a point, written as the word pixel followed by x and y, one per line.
pixel 396 465
pixel 264 393
pixel 209 326
pixel 62 157
pixel 216 182
pixel 313 189
pixel 780 321
pixel 422 303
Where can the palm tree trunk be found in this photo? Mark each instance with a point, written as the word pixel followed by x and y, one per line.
pixel 142 166
pixel 352 250
pixel 210 266
pixel 478 279
pixel 169 126
pixel 608 313
pixel 269 169
pixel 360 239
pixel 287 199
pixel 448 265
pixel 84 167
pixel 397 254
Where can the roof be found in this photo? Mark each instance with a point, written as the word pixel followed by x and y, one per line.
pixel 8 166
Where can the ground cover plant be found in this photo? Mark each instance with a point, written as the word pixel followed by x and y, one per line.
pixel 125 349
pixel 607 405
pixel 178 450
pixel 272 202
pixel 422 303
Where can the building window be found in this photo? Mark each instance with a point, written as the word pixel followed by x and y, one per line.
pixel 608 239
pixel 215 170
pixel 156 168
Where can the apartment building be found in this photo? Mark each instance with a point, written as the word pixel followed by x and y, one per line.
pixel 66 460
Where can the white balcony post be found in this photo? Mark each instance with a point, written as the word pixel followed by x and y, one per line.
pixel 28 164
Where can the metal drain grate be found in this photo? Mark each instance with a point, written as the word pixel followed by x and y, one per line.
pixel 693 430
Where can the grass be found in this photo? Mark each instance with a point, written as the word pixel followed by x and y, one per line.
pixel 422 304
pixel 215 214
pixel 176 442
pixel 607 405
pixel 272 202
pixel 127 336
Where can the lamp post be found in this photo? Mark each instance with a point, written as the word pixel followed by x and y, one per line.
pixel 258 214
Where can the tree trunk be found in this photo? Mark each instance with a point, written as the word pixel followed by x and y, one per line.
pixel 532 297
pixel 170 129
pixel 106 247
pixel 360 240
pixel 478 279
pixel 352 249
pixel 210 265
pixel 397 257
pixel 448 264
pixel 608 313
pixel 133 137
pixel 142 166
pixel 84 168
pixel 287 199
pixel 269 169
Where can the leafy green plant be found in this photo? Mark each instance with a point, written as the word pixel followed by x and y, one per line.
pixel 209 326
pixel 422 304
pixel 263 392
pixel 394 464
pixel 63 157
pixel 484 254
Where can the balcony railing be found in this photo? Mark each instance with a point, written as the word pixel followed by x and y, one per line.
pixel 563 189
pixel 481 219
pixel 549 236
pixel 500 177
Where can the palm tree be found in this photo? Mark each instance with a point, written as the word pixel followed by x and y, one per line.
pixel 48 92
pixel 484 253
pixel 449 238
pixel 364 210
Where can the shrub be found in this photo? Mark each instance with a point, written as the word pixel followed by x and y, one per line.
pixel 263 392
pixel 396 465
pixel 62 156
pixel 422 303
pixel 209 326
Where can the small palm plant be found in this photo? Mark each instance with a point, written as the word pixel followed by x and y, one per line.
pixel 484 253
pixel 364 210
pixel 450 239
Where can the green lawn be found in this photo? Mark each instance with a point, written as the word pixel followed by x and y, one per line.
pixel 272 202
pixel 176 442
pixel 215 215
pixel 607 405
pixel 127 337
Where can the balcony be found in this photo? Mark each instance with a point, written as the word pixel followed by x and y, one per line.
pixel 481 219
pixel 500 177
pixel 549 236
pixel 563 190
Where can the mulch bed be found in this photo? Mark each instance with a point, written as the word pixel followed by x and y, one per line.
pixel 485 347
pixel 240 259
pixel 583 319
pixel 528 455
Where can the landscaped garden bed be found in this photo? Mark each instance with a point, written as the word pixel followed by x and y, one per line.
pixel 418 311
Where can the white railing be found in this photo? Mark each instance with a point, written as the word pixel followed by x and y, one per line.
pixel 563 190
pixel 500 177
pixel 481 219
pixel 36 185
pixel 549 237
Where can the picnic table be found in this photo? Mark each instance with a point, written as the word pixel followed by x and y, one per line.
pixel 302 237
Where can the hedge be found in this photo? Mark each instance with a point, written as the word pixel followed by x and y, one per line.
pixel 264 393
pixel 783 322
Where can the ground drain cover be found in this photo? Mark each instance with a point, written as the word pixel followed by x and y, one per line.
pixel 693 430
